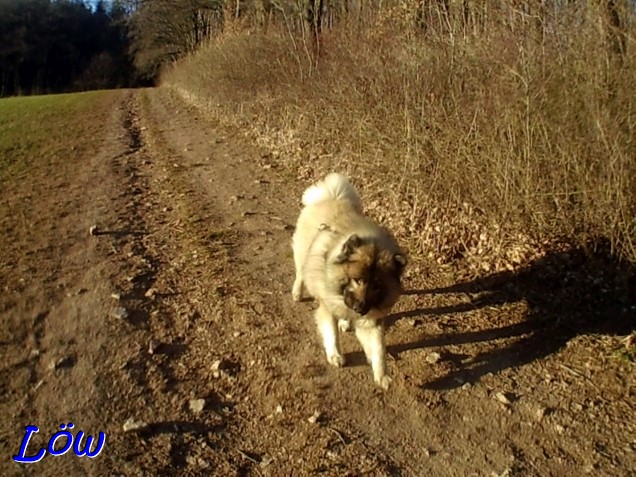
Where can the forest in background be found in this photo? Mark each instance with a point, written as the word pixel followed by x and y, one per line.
pixel 52 46
pixel 59 46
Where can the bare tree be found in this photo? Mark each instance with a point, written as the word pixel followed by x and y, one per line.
pixel 163 30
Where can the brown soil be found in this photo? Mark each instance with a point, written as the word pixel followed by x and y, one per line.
pixel 193 240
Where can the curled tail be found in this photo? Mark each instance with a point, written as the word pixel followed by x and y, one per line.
pixel 333 187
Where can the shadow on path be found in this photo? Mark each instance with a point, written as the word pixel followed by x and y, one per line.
pixel 567 294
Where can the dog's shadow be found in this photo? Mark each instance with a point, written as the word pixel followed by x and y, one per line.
pixel 567 294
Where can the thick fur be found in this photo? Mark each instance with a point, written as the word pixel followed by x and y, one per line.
pixel 351 266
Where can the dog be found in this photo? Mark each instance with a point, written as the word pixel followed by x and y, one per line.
pixel 351 266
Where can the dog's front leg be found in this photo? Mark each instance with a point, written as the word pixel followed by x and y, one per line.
pixel 297 288
pixel 300 248
pixel 327 326
pixel 370 334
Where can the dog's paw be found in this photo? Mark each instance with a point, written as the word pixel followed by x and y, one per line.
pixel 384 382
pixel 297 289
pixel 336 360
pixel 297 292
pixel 344 325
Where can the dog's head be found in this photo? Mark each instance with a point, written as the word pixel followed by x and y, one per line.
pixel 368 274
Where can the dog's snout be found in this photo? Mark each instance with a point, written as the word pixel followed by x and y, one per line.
pixel 361 308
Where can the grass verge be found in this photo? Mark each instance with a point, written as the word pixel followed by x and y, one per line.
pixel 47 128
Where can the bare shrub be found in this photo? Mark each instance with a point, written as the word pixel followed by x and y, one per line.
pixel 490 134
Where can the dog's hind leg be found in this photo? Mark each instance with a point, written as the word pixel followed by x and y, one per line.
pixel 328 329
pixel 371 336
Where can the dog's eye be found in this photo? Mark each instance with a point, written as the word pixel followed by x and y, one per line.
pixel 358 282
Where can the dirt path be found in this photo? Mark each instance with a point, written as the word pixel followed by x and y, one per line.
pixel 194 229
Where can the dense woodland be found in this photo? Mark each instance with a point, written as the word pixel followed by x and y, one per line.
pixel 54 46
pixel 49 46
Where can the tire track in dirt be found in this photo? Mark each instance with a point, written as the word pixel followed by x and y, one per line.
pixel 153 386
pixel 64 280
pixel 107 313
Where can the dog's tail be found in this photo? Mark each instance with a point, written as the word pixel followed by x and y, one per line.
pixel 333 187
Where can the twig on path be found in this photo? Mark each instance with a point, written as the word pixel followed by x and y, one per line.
pixel 337 433
pixel 576 373
pixel 251 459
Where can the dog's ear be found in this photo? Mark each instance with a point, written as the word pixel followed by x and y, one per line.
pixel 352 243
pixel 399 261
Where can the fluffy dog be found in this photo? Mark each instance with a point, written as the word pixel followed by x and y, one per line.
pixel 351 266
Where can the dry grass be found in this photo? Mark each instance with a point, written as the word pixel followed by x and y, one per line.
pixel 489 141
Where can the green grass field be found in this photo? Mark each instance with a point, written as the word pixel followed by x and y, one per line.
pixel 46 128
